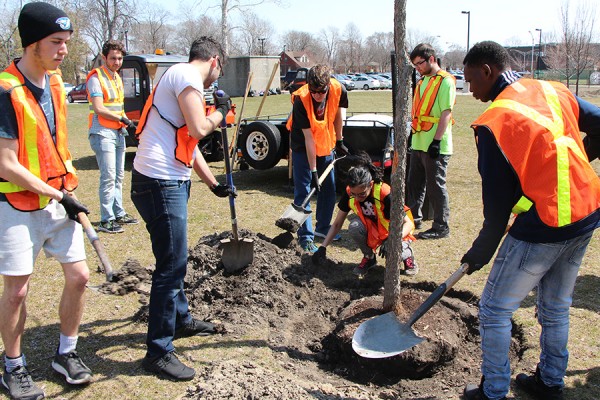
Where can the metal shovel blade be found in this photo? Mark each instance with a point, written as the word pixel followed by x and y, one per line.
pixel 237 254
pixel 292 218
pixel 383 336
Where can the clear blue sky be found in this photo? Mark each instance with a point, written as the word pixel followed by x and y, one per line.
pixel 507 21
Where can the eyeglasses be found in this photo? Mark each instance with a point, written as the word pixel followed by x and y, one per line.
pixel 418 64
pixel 364 193
pixel 220 66
pixel 320 91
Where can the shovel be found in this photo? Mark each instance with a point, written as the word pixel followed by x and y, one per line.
pixel 294 216
pixel 237 253
pixel 385 336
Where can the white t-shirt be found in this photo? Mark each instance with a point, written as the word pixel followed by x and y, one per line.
pixel 155 156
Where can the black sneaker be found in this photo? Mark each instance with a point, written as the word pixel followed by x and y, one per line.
pixel 72 367
pixel 195 328
pixel 533 385
pixel 169 367
pixel 475 392
pixel 434 234
pixel 110 227
pixel 126 220
pixel 20 385
pixel 365 265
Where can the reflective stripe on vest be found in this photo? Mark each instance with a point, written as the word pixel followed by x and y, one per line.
pixel 112 97
pixel 37 151
pixel 185 145
pixel 378 231
pixel 422 120
pixel 323 131
pixel 560 183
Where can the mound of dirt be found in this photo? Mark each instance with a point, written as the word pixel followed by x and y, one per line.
pixel 308 314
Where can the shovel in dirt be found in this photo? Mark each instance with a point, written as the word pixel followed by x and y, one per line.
pixel 385 336
pixel 237 253
pixel 294 215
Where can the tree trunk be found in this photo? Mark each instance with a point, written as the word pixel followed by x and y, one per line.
pixel 402 69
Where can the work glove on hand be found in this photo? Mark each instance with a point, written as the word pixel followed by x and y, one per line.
pixel 224 190
pixel 127 122
pixel 434 149
pixel 222 103
pixel 320 256
pixel 383 249
pixel 472 266
pixel 73 207
pixel 340 149
pixel 314 182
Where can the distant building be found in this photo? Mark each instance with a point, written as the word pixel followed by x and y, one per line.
pixel 292 60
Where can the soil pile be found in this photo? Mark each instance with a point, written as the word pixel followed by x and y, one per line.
pixel 306 315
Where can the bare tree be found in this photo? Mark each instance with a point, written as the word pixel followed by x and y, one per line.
pixel 353 48
pixel 298 40
pixel 152 30
pixel 106 19
pixel 10 42
pixel 255 36
pixel 192 28
pixel 379 46
pixel 402 101
pixel 330 38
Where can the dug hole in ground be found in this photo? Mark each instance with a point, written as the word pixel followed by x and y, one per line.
pixel 305 315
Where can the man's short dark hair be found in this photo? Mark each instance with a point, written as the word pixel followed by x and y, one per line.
pixel 423 50
pixel 488 52
pixel 318 76
pixel 113 45
pixel 204 48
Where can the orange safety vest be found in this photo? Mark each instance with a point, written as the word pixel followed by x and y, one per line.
pixel 535 124
pixel 422 120
pixel 323 131
pixel 113 97
pixel 49 161
pixel 184 143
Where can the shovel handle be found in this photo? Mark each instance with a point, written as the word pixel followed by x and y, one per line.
pixel 321 179
pixel 438 294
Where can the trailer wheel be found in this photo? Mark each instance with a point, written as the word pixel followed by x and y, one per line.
pixel 260 142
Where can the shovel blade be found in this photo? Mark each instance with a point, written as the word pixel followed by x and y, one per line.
pixel 292 218
pixel 237 254
pixel 383 336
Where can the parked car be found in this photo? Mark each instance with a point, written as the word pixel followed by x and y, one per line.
pixel 68 88
pixel 365 82
pixel 344 80
pixel 460 81
pixel 384 83
pixel 78 93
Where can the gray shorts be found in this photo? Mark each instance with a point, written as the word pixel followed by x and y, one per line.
pixel 24 234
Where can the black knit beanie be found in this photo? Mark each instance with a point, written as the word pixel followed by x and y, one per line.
pixel 38 20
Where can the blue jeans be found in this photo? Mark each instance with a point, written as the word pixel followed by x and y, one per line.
pixel 518 268
pixel 426 175
pixel 110 155
pixel 325 197
pixel 163 206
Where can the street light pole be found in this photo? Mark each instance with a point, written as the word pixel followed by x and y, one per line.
pixel 468 27
pixel 532 51
pixel 262 45
pixel 539 65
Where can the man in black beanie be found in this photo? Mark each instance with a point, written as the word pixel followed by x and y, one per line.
pixel 36 181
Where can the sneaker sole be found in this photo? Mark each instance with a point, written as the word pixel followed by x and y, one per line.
pixel 321 236
pixel 128 223
pixel 58 368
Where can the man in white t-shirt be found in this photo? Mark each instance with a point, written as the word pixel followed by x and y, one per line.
pixel 171 124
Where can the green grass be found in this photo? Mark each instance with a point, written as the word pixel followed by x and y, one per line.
pixel 113 346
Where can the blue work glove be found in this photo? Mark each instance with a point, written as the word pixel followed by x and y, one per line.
pixel 314 182
pixel 73 207
pixel 434 149
pixel 224 190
